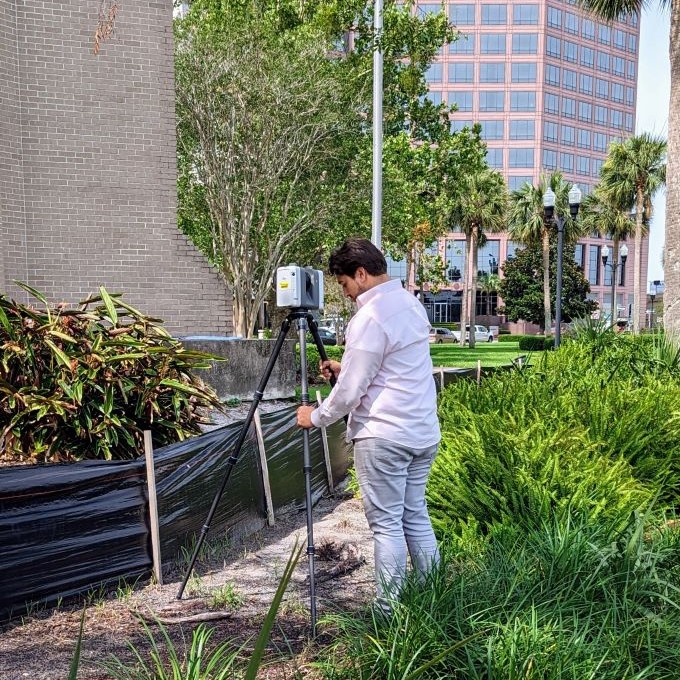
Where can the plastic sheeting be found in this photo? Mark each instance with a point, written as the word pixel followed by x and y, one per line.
pixel 65 529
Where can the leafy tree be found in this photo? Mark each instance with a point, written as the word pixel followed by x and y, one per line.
pixel 522 286
pixel 528 226
pixel 599 214
pixel 488 283
pixel 633 172
pixel 480 206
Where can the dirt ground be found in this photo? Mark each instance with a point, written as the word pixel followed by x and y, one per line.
pixel 40 646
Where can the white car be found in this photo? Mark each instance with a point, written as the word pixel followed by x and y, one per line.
pixel 438 336
pixel 482 334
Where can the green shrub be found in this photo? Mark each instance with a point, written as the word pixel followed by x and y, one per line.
pixel 504 336
pixel 334 352
pixel 535 343
pixel 86 382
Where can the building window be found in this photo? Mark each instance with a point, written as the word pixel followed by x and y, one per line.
pixel 604 34
pixel 617 93
pixel 461 72
pixel 455 260
pixel 458 125
pixel 632 43
pixel 582 165
pixel 524 43
pixel 462 100
pixel 492 72
pixel 634 20
pixel 629 122
pixel 515 183
pixel 523 101
pixel 599 141
pixel 593 265
pixel 579 254
pixel 618 66
pixel 424 9
pixel 521 158
pixel 491 100
pixel 549 159
pixel 630 96
pixel 585 112
pixel 617 119
pixel 603 62
pixel 494 15
pixel 567 162
pixel 464 45
pixel 494 157
pixel 568 107
pixel 434 74
pixel 525 14
pixel 584 139
pixel 552 46
pixel 601 88
pixel 620 39
pixel 492 129
pixel 554 17
pixel 570 23
pixel 596 167
pixel 585 84
pixel 587 56
pixel 631 70
pixel 551 103
pixel 568 134
pixel 549 131
pixel 552 74
pixel 588 29
pixel 569 79
pixel 433 96
pixel 522 129
pixel 492 43
pixel 462 15
pixel 601 115
pixel 570 51
pixel 523 72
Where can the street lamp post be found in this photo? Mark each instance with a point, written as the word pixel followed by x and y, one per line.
pixel 614 267
pixel 549 199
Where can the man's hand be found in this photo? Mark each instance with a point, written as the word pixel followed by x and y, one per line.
pixel 304 416
pixel 330 368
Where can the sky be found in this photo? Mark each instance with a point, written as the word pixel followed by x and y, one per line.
pixel 653 95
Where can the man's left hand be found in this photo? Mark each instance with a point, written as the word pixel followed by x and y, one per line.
pixel 304 416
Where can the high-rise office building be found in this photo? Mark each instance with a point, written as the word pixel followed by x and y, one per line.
pixel 551 87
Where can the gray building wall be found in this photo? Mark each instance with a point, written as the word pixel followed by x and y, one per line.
pixel 88 163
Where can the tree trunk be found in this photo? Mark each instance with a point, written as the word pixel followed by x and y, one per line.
pixel 464 306
pixel 547 316
pixel 473 284
pixel 615 275
pixel 671 298
pixel 637 266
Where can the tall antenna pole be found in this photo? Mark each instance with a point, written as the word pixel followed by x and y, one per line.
pixel 376 213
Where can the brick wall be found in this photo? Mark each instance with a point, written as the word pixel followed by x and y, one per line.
pixel 88 163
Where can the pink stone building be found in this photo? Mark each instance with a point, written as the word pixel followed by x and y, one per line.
pixel 551 87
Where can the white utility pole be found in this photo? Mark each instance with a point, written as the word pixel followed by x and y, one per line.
pixel 376 213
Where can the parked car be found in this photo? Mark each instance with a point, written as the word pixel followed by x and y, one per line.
pixel 439 336
pixel 327 336
pixel 482 334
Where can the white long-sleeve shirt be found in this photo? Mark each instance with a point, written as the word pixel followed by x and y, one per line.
pixel 386 384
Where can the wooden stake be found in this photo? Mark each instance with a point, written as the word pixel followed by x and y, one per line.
pixel 153 507
pixel 269 504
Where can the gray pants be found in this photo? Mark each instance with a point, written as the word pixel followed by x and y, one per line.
pixel 392 480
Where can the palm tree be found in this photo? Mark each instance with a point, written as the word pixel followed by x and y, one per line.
pixel 599 214
pixel 481 207
pixel 528 225
pixel 633 172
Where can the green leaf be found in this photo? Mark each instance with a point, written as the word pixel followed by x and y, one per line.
pixel 61 356
pixel 32 291
pixel 109 304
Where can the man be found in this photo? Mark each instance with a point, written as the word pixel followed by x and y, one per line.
pixel 385 384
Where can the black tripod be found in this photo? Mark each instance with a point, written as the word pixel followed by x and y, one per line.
pixel 304 319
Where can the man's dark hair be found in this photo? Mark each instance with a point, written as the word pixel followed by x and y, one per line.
pixel 355 253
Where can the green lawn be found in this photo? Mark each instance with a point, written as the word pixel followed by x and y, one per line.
pixel 489 353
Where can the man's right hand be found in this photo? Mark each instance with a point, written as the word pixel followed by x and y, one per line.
pixel 330 368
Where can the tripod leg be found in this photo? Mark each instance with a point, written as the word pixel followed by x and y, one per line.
pixel 314 328
pixel 307 469
pixel 231 461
